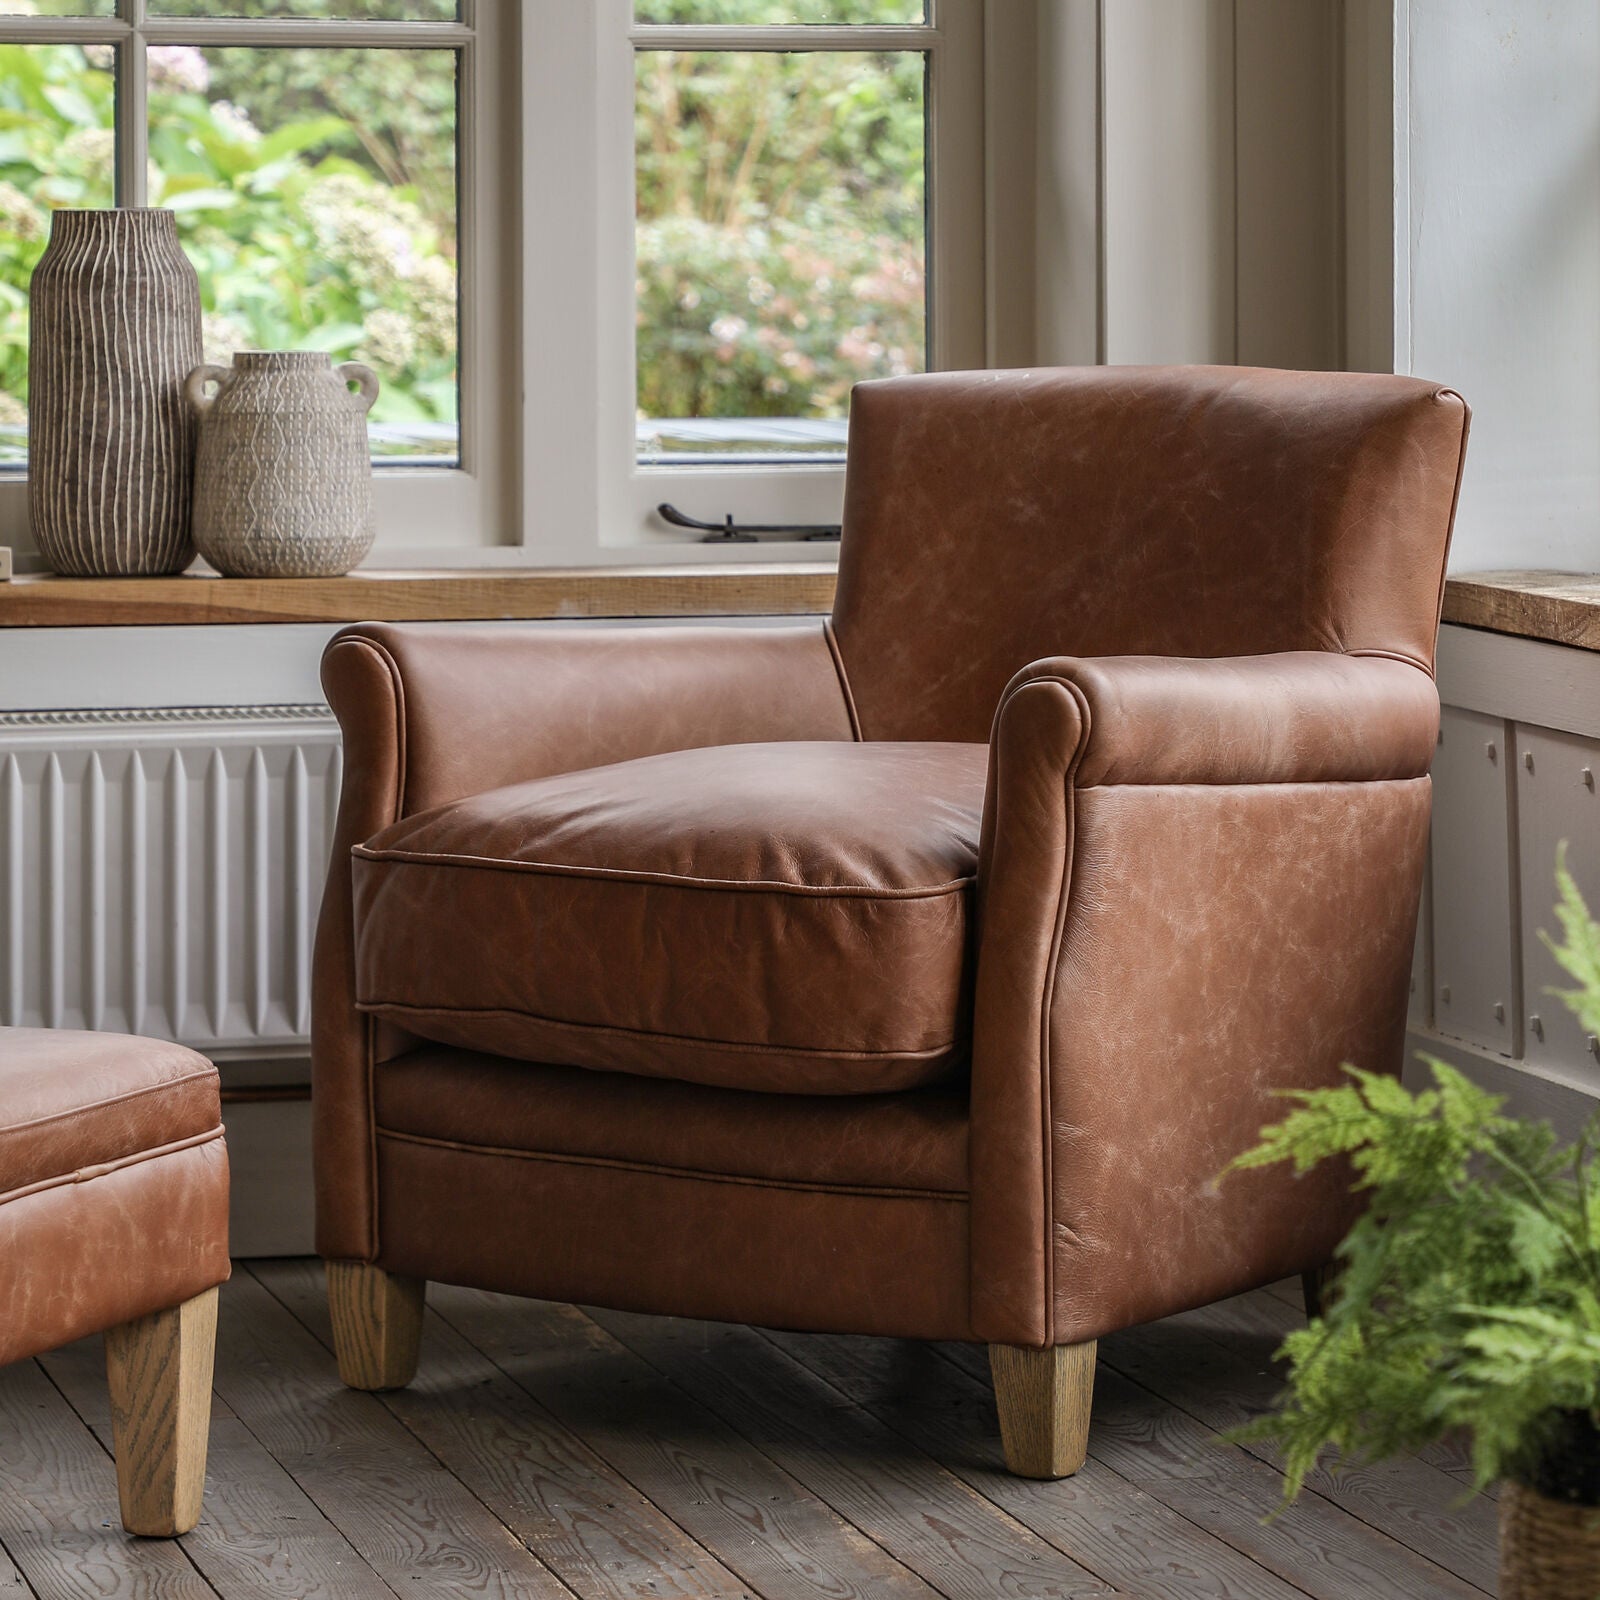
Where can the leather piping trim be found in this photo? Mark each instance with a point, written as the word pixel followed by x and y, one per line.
pixel 402 1009
pixel 105 1168
pixel 844 891
pixel 1052 985
pixel 366 1024
pixel 689 1174
pixel 1455 502
pixel 111 1100
pixel 1248 783
pixel 844 677
pixel 1375 654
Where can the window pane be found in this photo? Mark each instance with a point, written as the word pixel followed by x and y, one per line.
pixel 781 244
pixel 56 149
pixel 763 13
pixel 330 10
pixel 316 196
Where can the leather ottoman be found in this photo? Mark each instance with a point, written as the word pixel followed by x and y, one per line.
pixel 114 1218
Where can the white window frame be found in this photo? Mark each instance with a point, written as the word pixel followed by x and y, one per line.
pixel 588 499
pixel 440 511
pixel 549 474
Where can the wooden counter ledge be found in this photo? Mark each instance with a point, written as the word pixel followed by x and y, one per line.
pixel 1558 607
pixel 1561 607
pixel 765 589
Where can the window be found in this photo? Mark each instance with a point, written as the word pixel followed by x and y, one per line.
pixel 321 158
pixel 791 194
pixel 604 254
pixel 792 160
pixel 781 234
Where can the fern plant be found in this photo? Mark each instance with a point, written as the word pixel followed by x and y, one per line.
pixel 1468 1296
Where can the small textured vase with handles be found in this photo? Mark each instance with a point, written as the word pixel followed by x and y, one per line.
pixel 283 475
pixel 114 327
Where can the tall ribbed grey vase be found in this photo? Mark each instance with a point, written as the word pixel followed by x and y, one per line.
pixel 115 330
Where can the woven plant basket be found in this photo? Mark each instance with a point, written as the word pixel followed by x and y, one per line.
pixel 1549 1549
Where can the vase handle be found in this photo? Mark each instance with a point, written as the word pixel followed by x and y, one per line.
pixel 199 380
pixel 365 378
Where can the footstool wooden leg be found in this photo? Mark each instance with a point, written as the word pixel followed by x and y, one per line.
pixel 377 1324
pixel 159 1373
pixel 1044 1398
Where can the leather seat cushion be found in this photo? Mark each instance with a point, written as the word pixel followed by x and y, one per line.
pixel 787 917
pixel 70 1101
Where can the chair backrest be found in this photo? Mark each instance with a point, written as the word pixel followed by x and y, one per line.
pixel 994 518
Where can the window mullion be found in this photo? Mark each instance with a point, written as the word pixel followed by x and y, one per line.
pixel 132 110
pixel 471 283
pixel 274 32
pixel 61 30
pixel 850 36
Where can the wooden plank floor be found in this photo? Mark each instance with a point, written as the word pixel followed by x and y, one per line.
pixel 544 1452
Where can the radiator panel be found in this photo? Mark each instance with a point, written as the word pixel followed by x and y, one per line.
pixel 160 871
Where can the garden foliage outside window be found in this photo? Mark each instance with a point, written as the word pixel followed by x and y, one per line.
pixel 782 221
pixel 314 184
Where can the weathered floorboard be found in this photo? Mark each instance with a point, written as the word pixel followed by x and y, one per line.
pixel 1316 1546
pixel 406 1515
pixel 589 1525
pixel 12 1584
pixel 259 1533
pixel 548 1454
pixel 921 1514
pixel 783 1541
pixel 58 1506
pixel 1117 1530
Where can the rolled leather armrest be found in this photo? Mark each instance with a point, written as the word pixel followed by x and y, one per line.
pixel 1305 716
pixel 1197 886
pixel 482 707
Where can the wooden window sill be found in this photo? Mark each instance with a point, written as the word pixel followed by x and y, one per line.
pixel 1557 607
pixel 768 589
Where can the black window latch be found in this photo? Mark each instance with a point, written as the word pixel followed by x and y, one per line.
pixel 730 532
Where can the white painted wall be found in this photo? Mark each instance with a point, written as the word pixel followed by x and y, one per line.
pixel 1499 274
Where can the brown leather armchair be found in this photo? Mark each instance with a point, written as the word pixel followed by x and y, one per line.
pixel 902 974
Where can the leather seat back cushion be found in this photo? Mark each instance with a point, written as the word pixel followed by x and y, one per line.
pixel 789 917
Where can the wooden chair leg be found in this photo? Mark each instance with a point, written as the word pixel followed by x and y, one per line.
pixel 1319 1287
pixel 1044 1398
pixel 159 1372
pixel 377 1324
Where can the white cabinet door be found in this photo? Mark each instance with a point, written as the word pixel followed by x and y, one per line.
pixel 1474 957
pixel 1556 800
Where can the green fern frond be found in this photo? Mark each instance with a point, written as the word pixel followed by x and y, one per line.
pixel 1469 1296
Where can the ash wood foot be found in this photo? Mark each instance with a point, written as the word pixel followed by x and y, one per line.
pixel 1319 1287
pixel 1044 1398
pixel 159 1372
pixel 377 1324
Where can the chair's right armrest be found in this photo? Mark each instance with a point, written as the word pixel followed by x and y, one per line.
pixel 433 712
pixel 1198 886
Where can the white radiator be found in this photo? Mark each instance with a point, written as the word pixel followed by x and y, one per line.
pixel 160 871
